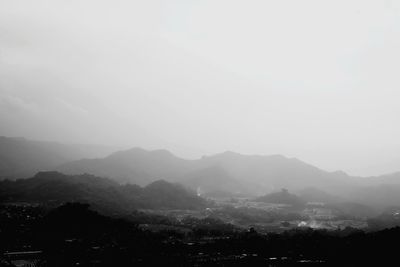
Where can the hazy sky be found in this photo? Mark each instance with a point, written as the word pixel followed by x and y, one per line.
pixel 318 80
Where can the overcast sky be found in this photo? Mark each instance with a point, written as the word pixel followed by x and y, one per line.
pixel 317 80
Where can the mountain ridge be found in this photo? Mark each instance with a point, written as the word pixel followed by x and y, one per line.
pixel 102 193
pixel 262 173
pixel 228 171
pixel 22 158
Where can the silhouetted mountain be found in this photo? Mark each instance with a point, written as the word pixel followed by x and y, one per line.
pixel 232 171
pixel 135 166
pixel 282 197
pixel 227 172
pixel 55 188
pixel 276 171
pixel 102 193
pixel 22 158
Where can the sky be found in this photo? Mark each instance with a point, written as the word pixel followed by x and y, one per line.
pixel 317 80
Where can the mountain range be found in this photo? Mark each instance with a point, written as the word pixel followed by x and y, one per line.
pixel 227 172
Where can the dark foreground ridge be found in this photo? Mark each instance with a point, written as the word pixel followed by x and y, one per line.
pixel 74 235
pixel 105 195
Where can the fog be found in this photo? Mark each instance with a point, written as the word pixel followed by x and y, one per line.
pixel 314 80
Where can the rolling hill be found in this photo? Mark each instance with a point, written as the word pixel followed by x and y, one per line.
pixel 101 193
